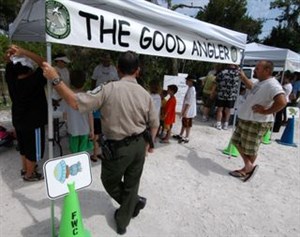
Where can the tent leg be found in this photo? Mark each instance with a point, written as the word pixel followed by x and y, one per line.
pixel 50 134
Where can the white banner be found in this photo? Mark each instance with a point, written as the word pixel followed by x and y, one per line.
pixel 72 23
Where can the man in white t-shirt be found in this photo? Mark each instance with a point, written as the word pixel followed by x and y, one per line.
pixel 189 110
pixel 104 72
pixel 265 98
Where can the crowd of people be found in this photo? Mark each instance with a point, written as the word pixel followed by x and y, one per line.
pixel 118 121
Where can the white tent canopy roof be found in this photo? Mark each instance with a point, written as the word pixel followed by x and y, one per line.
pixel 30 23
pixel 285 58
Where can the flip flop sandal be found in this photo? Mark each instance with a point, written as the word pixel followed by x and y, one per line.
pixel 237 174
pixel 251 174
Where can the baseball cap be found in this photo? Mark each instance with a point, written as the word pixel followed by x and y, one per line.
pixel 191 78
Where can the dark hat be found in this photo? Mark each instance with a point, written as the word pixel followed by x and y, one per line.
pixel 191 78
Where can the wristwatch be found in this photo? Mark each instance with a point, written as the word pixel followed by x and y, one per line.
pixel 56 81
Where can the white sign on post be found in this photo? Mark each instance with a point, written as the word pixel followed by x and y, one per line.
pixel 292 112
pixel 179 81
pixel 66 169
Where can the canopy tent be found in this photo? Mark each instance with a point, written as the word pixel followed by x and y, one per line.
pixel 284 58
pixel 122 25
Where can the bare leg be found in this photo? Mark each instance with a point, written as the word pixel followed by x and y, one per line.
pixel 96 147
pixel 248 160
pixel 187 132
pixel 23 163
pixel 219 114
pixel 227 114
pixel 181 131
pixel 167 137
pixel 30 167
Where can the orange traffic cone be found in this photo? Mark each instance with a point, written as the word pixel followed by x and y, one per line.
pixel 71 220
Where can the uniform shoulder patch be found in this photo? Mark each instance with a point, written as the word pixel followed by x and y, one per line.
pixel 96 90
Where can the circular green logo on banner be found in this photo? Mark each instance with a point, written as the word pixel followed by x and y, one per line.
pixel 57 20
pixel 234 54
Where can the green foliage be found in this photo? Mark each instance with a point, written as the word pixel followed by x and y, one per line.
pixel 8 12
pixel 287 33
pixel 231 14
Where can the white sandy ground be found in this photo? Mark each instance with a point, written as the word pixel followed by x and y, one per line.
pixel 188 189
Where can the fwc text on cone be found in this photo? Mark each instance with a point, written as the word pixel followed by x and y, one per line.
pixel 71 224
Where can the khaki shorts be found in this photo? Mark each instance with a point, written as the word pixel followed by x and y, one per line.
pixel 248 135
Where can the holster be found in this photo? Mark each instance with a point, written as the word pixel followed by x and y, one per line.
pixel 148 138
pixel 107 152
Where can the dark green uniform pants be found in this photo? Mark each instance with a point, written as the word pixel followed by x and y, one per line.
pixel 121 177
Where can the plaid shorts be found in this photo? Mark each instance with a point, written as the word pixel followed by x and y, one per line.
pixel 248 135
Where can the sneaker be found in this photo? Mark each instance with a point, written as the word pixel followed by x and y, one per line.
pixel 184 140
pixel 34 177
pixel 225 126
pixel 218 126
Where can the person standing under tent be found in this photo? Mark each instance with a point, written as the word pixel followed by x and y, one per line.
pixel 170 113
pixel 207 96
pixel 296 89
pixel 80 125
pixel 104 72
pixel 227 88
pixel 160 131
pixel 155 95
pixel 128 111
pixel 265 98
pixel 26 87
pixel 61 62
pixel 281 116
pixel 189 110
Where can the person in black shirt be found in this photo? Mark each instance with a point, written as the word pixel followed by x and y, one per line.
pixel 29 106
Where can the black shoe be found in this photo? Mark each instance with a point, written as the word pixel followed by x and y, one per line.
pixel 183 140
pixel 120 231
pixel 34 177
pixel 139 206
pixel 178 137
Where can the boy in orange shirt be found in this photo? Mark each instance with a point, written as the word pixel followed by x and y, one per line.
pixel 170 112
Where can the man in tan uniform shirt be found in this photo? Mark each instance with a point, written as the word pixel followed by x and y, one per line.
pixel 127 110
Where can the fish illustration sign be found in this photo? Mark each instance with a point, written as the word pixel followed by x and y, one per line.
pixel 292 112
pixel 66 169
pixel 68 22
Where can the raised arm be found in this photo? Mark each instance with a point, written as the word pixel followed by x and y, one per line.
pixel 15 50
pixel 248 83
pixel 62 89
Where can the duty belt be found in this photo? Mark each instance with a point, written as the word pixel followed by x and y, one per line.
pixel 125 141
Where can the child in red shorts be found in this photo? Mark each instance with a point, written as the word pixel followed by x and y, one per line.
pixel 170 113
